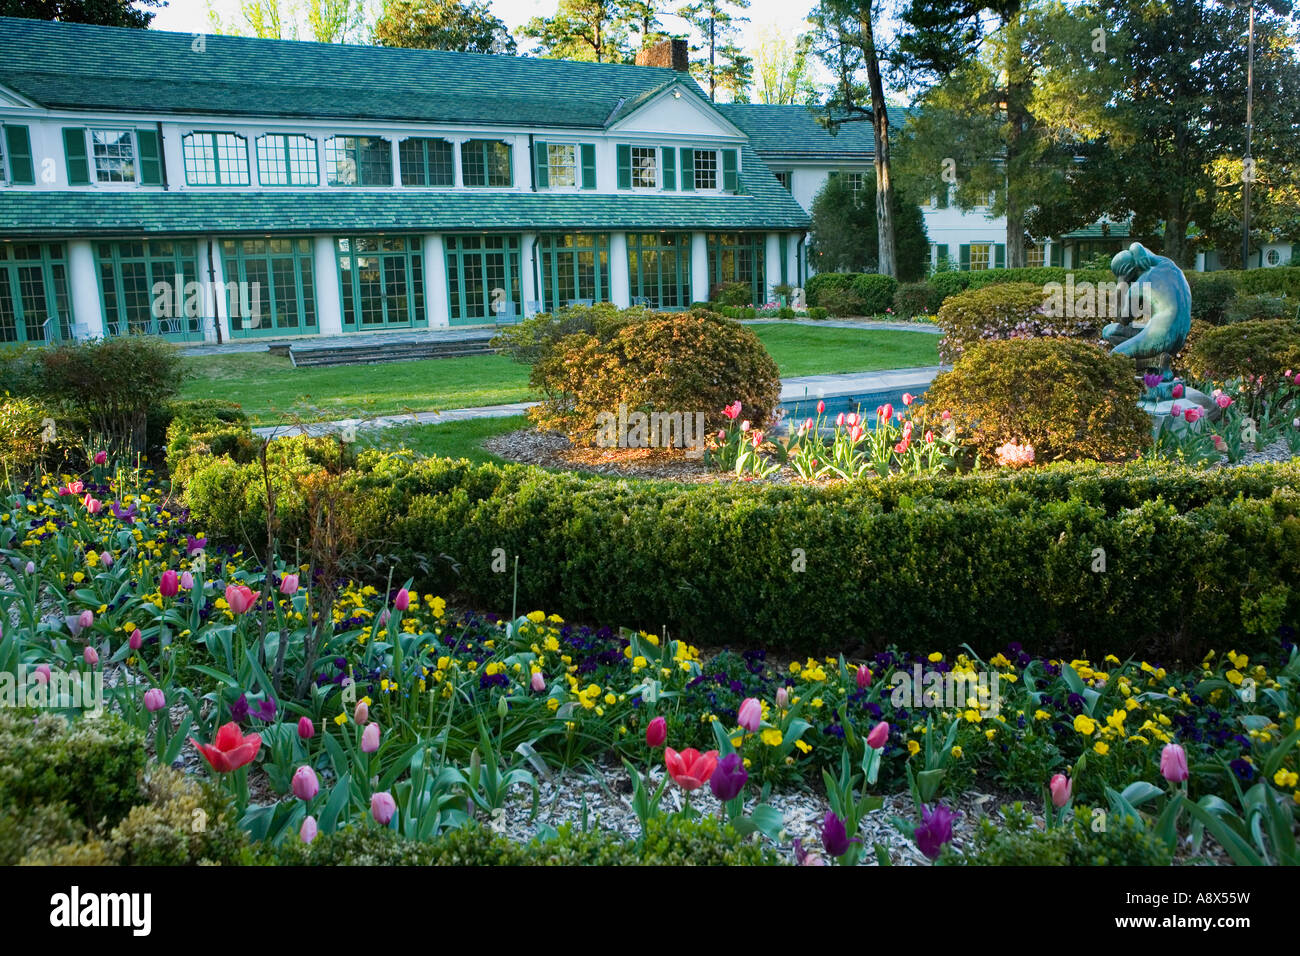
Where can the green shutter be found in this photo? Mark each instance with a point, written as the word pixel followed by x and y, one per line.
pixel 18 145
pixel 670 169
pixel 150 157
pixel 688 169
pixel 74 153
pixel 541 166
pixel 1056 254
pixel 624 166
pixel 588 165
pixel 1000 256
pixel 730 175
pixel 965 257
pixel 941 256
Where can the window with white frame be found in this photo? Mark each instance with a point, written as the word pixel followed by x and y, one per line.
pixel 706 169
pixel 287 160
pixel 113 153
pixel 645 171
pixel 561 165
pixel 981 256
pixel 215 159
pixel 854 181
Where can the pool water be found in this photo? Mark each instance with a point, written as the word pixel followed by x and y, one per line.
pixel 864 403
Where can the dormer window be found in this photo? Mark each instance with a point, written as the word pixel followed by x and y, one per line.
pixel 113 153
pixel 287 160
pixel 645 167
pixel 215 159
pixel 706 169
pixel 358 161
pixel 485 162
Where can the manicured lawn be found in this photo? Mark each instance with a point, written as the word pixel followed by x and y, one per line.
pixel 452 440
pixel 809 350
pixel 271 389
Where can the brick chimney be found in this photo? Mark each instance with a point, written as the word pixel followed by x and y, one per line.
pixel 673 53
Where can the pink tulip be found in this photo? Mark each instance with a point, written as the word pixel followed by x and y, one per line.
pixel 75 487
pixel 839 420
pixel 306 729
pixel 783 697
pixel 538 682
pixel 1178 390
pixel 750 715
pixel 307 832
pixel 1061 786
pixel 745 426
pixel 361 714
pixel 187 581
pixel 154 699
pixel 403 600
pixel 1173 763
pixel 732 411
pixel 1193 414
pixel 93 505
pixel 42 674
pixel 101 457
pixel 370 739
pixel 908 398
pixel 105 559
pixel 1176 410
pixel 850 419
pixel 821 407
pixel 240 598
pixel 382 807
pixel 136 640
pixel 945 416
pixel 863 677
pixel 31 567
pixel 83 620
pixel 1222 400
pixel 169 584
pixel 289 584
pixel 305 785
pixel 879 734
pixel 91 655
pixel 656 732
pixel 886 411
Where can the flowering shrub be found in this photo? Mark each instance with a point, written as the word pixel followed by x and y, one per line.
pixel 1013 310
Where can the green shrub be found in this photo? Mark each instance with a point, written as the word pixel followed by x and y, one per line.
pixel 1123 842
pixel 35 435
pixel 20 370
pixel 1211 294
pixel 733 293
pixel 785 312
pixel 842 302
pixel 669 841
pixel 1281 280
pixel 825 281
pixel 528 341
pixel 1070 400
pixel 913 299
pixel 1012 310
pixel 875 291
pixel 204 428
pixel 948 283
pixel 1038 275
pixel 1260 347
pixel 27 828
pixel 91 765
pixel 1246 308
pixel 116 382
pixel 688 363
pixel 817 313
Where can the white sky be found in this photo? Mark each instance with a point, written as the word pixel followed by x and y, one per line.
pixel 191 16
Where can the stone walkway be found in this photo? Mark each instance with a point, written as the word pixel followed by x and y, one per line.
pixel 792 389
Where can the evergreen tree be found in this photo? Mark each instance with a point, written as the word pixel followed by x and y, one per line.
pixel 443 25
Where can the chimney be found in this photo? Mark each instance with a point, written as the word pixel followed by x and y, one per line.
pixel 672 53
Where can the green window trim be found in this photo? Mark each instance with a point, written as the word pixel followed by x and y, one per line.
pixel 483 278
pixel 129 273
pixel 18 153
pixel 541 165
pixel 35 305
pixel 274 282
pixel 75 155
pixel 291 156
pixel 226 152
pixel 1000 255
pixel 381 282
pixel 624 151
pixel 730 171
pixel 426 161
pixel 358 161
pixel 487 164
pixel 573 266
pixel 659 269
pixel 588 161
pixel 151 161
pixel 669 179
pixel 688 168
pixel 964 260
pixel 739 257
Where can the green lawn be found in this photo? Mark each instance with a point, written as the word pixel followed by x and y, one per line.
pixel 810 350
pixel 452 440
pixel 271 389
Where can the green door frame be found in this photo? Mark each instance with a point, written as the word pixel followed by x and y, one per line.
pixel 411 260
pixel 463 308
pixel 235 260
pixel 185 253
pixel 550 252
pixel 52 289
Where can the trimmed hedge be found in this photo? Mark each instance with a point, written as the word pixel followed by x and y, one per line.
pixel 852 293
pixel 1260 347
pixel 1190 557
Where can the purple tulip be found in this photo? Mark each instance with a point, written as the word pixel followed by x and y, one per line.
pixel 239 709
pixel 154 699
pixel 835 838
pixel 729 778
pixel 305 785
pixel 1152 379
pixel 105 559
pixel 382 807
pixel 935 830
pixel 193 544
pixel 187 581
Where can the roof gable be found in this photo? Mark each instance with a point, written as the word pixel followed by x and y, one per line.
pixel 678 107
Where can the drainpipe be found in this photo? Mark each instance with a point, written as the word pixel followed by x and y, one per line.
pixel 212 284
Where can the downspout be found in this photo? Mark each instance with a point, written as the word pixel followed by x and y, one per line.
pixel 212 284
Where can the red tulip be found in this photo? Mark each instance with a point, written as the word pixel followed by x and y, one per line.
pixel 240 597
pixel 908 398
pixel 821 407
pixel 1060 786
pixel 169 584
pixel 306 729
pixel 879 734
pixel 886 411
pixel 656 732
pixel 231 750
pixel 690 769
pixel 732 411
pixel 863 677
pixel 1178 390
pixel 750 715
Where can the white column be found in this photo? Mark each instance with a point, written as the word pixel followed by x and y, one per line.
pixel 619 291
pixel 456 178
pixel 397 162
pixel 83 282
pixel 528 279
pixel 699 267
pixel 772 262
pixel 792 259
pixel 212 272
pixel 325 268
pixel 436 304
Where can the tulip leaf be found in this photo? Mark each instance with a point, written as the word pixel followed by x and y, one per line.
pixel 1237 848
pixel 215 674
pixel 336 804
pixel 1140 791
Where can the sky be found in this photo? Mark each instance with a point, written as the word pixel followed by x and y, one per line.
pixel 191 16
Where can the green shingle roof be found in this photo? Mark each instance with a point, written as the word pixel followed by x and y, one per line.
pixel 38 213
pixel 1100 230
pixel 794 133
pixel 82 67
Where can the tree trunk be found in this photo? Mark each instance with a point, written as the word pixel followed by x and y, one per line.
pixel 888 259
pixel 713 62
pixel 1017 121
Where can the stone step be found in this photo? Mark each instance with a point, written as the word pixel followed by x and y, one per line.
pixel 376 353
